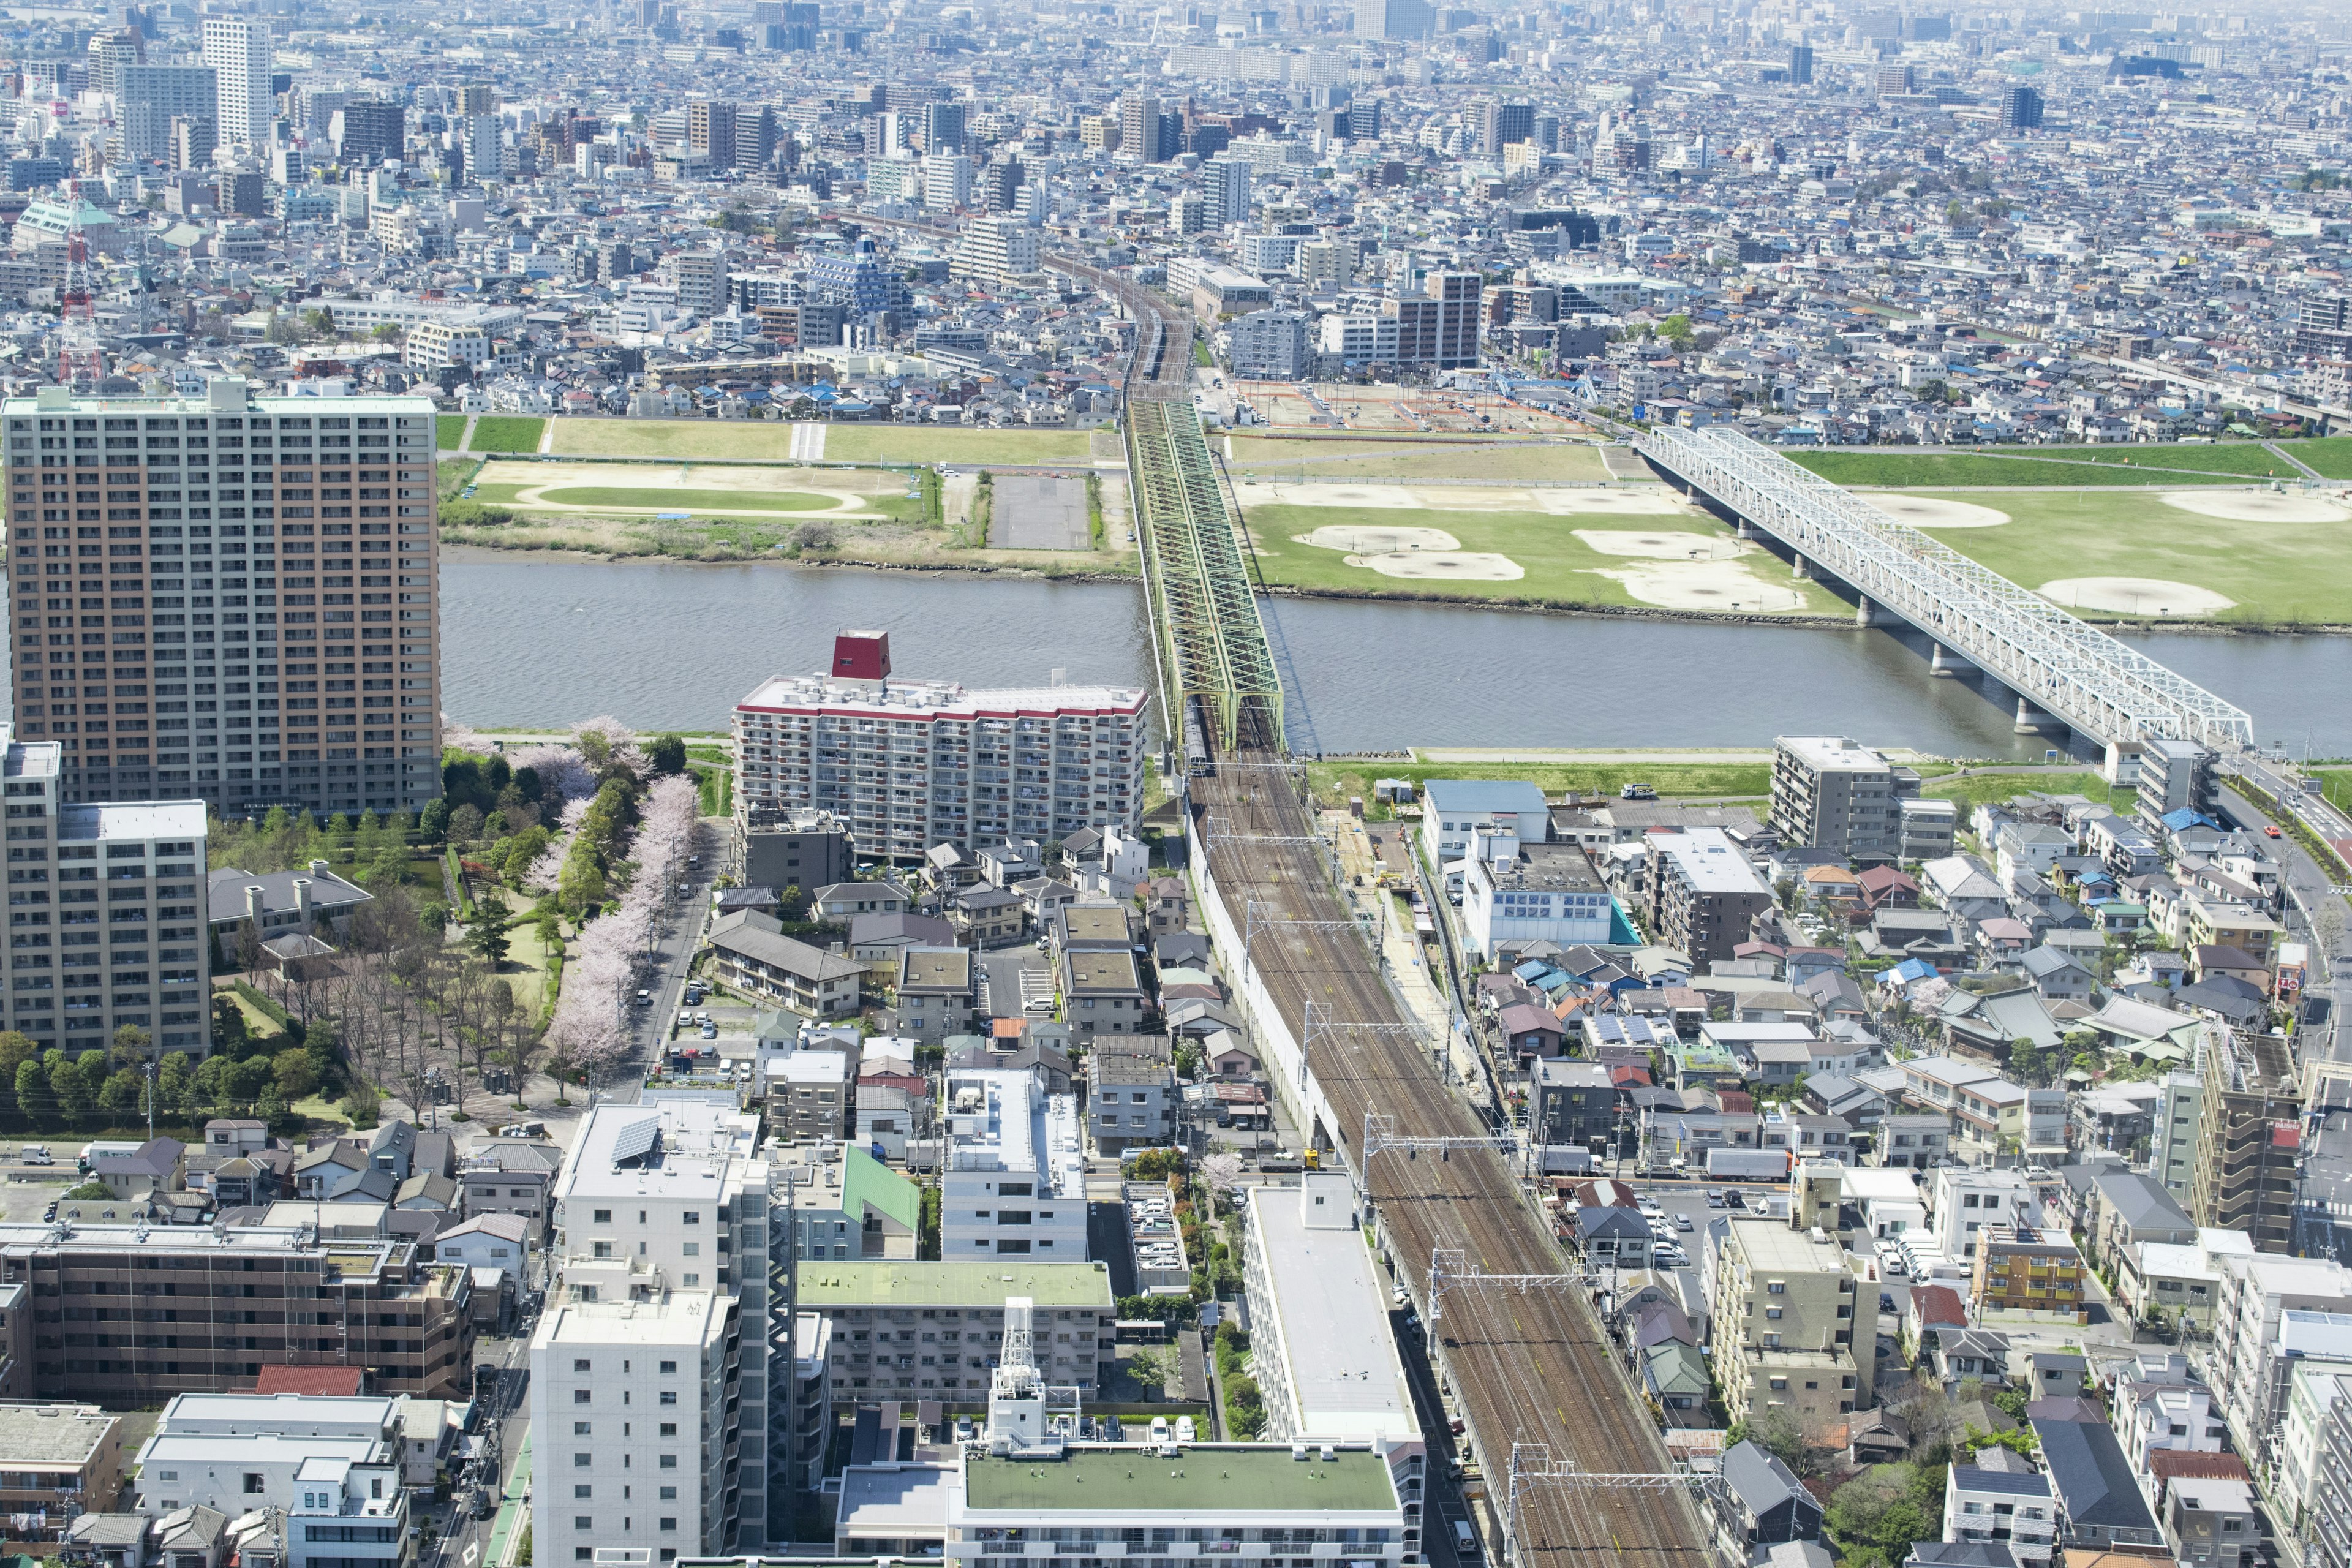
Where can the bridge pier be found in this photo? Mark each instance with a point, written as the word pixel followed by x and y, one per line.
pixel 1796 567
pixel 1862 609
pixel 1947 662
pixel 2029 718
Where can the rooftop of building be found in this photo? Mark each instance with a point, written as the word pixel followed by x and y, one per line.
pixel 1833 753
pixel 1214 1482
pixel 51 1434
pixel 675 1149
pixel 1483 796
pixel 921 699
pixel 117 822
pixel 878 1282
pixel 675 1318
pixel 287 1413
pixel 1773 1246
pixel 1339 1359
pixel 1708 860
pixel 52 400
pixel 1547 868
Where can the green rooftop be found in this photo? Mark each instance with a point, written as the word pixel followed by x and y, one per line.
pixel 1203 1484
pixel 866 1181
pixel 878 1282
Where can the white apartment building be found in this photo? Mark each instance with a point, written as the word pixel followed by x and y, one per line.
pixel 1269 345
pixel 995 249
pixel 910 765
pixel 1968 1198
pixel 1319 1338
pixel 661 1252
pixel 631 1434
pixel 2273 1312
pixel 149 97
pixel 1832 794
pixel 2003 1499
pixel 1357 338
pixel 947 180
pixel 466 340
pixel 1013 1182
pixel 241 55
pixel 146 862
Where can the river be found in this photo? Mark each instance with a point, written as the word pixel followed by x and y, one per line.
pixel 533 641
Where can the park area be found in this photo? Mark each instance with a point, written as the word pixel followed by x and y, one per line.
pixel 1622 548
pixel 2248 557
pixel 774 441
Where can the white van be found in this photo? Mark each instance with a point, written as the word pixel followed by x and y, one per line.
pixel 1465 1541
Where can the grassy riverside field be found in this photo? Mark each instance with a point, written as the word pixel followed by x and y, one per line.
pixel 447 429
pixel 1339 460
pixel 589 498
pixel 1335 783
pixel 1561 568
pixel 2234 462
pixel 2288 572
pixel 506 432
pixel 2330 455
pixel 772 440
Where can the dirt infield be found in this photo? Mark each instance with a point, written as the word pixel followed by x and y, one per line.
pixel 1723 585
pixel 1356 540
pixel 1653 502
pixel 2134 596
pixel 2258 506
pixel 1472 567
pixel 1928 511
pixel 1661 546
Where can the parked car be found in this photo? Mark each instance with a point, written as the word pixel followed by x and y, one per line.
pixel 1185 1430
pixel 1683 1222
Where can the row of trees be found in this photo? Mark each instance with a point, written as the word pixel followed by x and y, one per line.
pixel 111 1085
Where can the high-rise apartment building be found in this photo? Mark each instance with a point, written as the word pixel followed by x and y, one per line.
pixel 2020 109
pixel 910 765
pixel 1440 327
pixel 1395 19
pixel 2176 775
pixel 151 97
pixel 651 1367
pixel 710 130
pixel 995 249
pixel 943 128
pixel 947 180
pixel 1225 188
pixel 2250 1104
pixel 1800 64
pixel 239 51
pixel 227 597
pixel 370 131
pixel 1013 1179
pixel 1141 128
pixel 1502 125
pixel 64 988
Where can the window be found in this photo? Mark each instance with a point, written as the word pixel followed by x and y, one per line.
pixel 670 1396
pixel 669 1428
pixel 581 1396
pixel 669 1461
pixel 603 1216
pixel 581 1461
pixel 582 1491
pixel 580 1364
pixel 668 1521
pixel 694 1249
pixel 669 1494
pixel 253 1483
pixel 669 1369
pixel 1777 1288
pixel 580 1429
pixel 692 1217
pixel 583 1521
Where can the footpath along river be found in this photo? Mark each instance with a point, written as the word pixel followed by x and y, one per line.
pixel 542 642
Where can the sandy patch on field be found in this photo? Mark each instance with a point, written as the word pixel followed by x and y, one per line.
pixel 2133 595
pixel 1661 546
pixel 1927 511
pixel 1383 497
pixel 1464 567
pixel 851 487
pixel 2256 506
pixel 1378 541
pixel 1657 503
pixel 1702 585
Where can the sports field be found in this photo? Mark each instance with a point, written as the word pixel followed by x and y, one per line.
pixel 1680 560
pixel 773 441
pixel 1276 458
pixel 846 495
pixel 2228 463
pixel 2150 555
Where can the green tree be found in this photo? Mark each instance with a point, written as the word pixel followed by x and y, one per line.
pixel 119 1096
pixel 69 1090
pixel 245 1080
pixel 667 755
pixel 132 1043
pixel 274 1109
pixel 486 933
pixel 363 1106
pixel 293 1073
pixel 33 1096
pixel 173 1083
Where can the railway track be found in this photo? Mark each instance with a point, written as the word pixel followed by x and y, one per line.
pixel 1527 1367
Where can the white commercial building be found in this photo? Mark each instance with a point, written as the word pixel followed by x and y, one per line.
pixel 239 51
pixel 1014 1174
pixel 995 249
pixel 1547 892
pixel 1319 1337
pixel 661 1257
pixel 909 764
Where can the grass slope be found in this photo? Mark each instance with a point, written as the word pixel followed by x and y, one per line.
pixel 1560 567
pixel 1335 783
pixel 1339 462
pixel 2277 571
pixel 772 440
pixel 507 433
pixel 596 496
pixel 935 444
pixel 448 429
pixel 2231 463
pixel 2330 455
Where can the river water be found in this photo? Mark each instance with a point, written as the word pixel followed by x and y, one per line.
pixel 532 642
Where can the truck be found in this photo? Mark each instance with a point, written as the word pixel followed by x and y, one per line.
pixel 1637 792
pixel 1747 1164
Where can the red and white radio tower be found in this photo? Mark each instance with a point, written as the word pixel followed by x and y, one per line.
pixel 79 364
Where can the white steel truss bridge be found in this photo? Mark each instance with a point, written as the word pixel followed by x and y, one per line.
pixel 2103 687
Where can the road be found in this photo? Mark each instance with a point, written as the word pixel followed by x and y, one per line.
pixel 468 1542
pixel 719 850
pixel 2315 912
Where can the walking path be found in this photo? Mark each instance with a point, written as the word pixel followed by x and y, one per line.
pixel 466 437
pixel 505 1534
pixel 2275 450
pixel 808 441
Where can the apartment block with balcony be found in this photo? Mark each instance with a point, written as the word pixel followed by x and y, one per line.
pixel 904 1330
pixel 1703 894
pixel 2022 1270
pixel 227 597
pixel 1830 793
pixel 1784 1326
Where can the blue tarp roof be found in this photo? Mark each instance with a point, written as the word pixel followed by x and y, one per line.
pixel 2186 817
pixel 1914 969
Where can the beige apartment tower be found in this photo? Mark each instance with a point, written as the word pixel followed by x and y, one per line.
pixel 227 597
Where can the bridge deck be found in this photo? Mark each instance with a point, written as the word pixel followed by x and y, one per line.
pixel 2103 687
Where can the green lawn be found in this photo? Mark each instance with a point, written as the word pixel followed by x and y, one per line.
pixel 593 496
pixel 448 429
pixel 772 440
pixel 1978 789
pixel 505 433
pixel 1561 568
pixel 2233 462
pixel 1335 783
pixel 2331 456
pixel 2290 572
pixel 950 443
pixel 1339 462
pixel 2335 783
